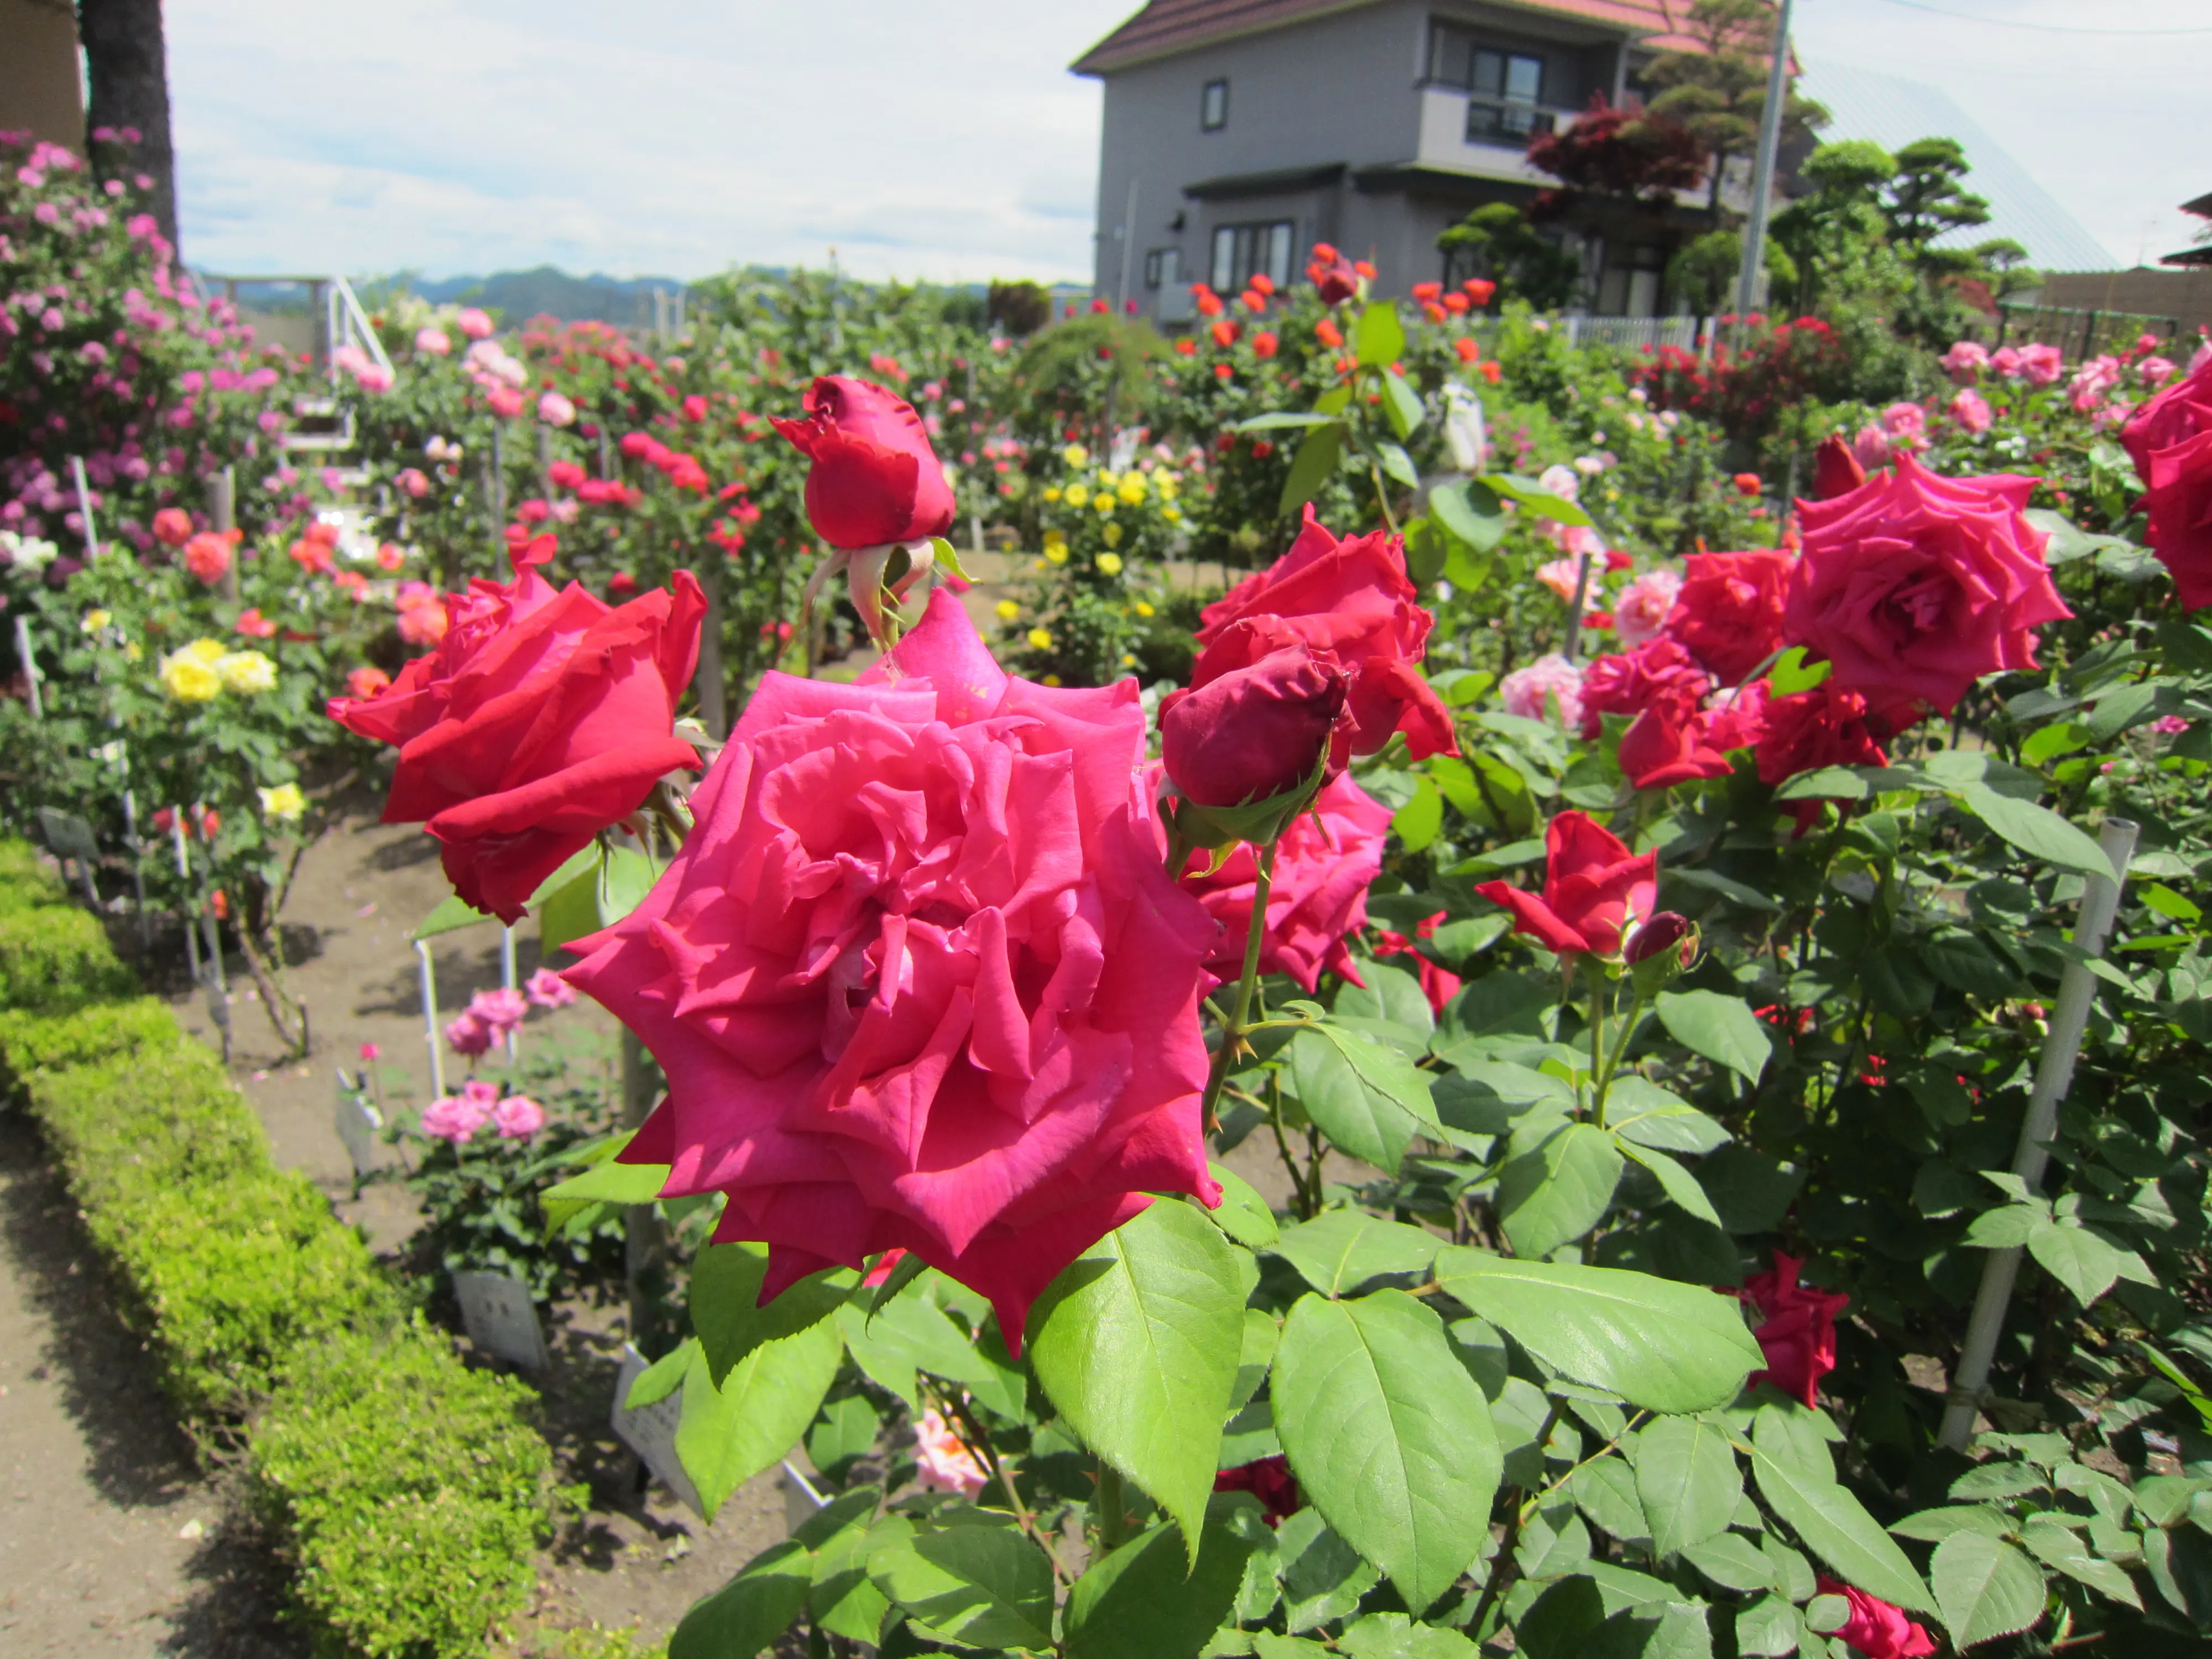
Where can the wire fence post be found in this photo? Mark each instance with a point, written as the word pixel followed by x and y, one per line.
pixel 2054 1075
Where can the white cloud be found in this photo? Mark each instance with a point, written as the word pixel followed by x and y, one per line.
pixel 939 138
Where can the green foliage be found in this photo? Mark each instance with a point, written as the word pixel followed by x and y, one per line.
pixel 1499 240
pixel 57 958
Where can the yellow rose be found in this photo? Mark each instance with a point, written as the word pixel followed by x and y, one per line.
pixel 247 671
pixel 1112 536
pixel 283 803
pixel 1143 609
pixel 1075 454
pixel 206 650
pixel 93 621
pixel 1127 661
pixel 132 651
pixel 1111 563
pixel 1132 491
pixel 1103 503
pixel 1008 609
pixel 1173 515
pixel 1056 551
pixel 1052 493
pixel 1041 638
pixel 1108 479
pixel 1051 680
pixel 1077 494
pixel 188 679
pixel 1167 487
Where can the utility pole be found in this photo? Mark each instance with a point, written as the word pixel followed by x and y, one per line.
pixel 1762 177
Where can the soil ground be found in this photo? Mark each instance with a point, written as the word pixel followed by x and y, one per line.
pixel 113 1539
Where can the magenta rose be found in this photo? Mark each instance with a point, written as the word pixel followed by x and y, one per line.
pixel 1318 894
pixel 917 979
pixel 2180 412
pixel 874 479
pixel 1915 585
pixel 1257 730
pixel 2180 509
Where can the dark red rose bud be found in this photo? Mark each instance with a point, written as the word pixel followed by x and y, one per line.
pixel 1255 732
pixel 1836 471
pixel 1667 931
pixel 1333 274
pixel 874 478
pixel 1270 1480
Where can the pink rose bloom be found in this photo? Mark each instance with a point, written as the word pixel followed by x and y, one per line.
pixel 1527 692
pixel 1641 611
pixel 501 1009
pixel 413 482
pixel 1876 1628
pixel 1906 425
pixel 944 1464
pixel 468 1036
pixel 506 401
pixel 2005 360
pixel 1560 575
pixel 474 324
pixel 372 377
pixel 549 990
pixel 454 1117
pixel 2092 381
pixel 433 341
pixel 517 1117
pixel 1871 447
pixel 423 623
pixel 1971 411
pixel 1318 895
pixel 1964 360
pixel 917 977
pixel 2040 364
pixel 554 409
pixel 1915 585
pixel 2155 371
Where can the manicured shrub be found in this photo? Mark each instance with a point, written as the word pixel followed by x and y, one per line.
pixel 54 958
pixel 163 1118
pixel 32 1042
pixel 27 881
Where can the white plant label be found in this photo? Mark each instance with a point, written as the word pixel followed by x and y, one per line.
pixel 500 1318
pixel 650 1430
pixel 359 1125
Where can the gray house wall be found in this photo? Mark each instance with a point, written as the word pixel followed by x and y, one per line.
pixel 1331 125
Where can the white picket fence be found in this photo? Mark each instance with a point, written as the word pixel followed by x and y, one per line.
pixel 1633 333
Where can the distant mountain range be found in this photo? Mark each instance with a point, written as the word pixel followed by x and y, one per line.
pixel 545 291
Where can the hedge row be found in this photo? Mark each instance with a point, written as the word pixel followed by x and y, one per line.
pixel 412 1492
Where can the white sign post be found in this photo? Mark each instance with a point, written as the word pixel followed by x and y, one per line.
pixel 358 1124
pixel 650 1430
pixel 500 1318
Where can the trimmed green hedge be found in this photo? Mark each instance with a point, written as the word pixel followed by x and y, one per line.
pixel 413 1492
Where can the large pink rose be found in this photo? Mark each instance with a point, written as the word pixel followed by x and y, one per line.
pixel 2178 414
pixel 541 718
pixel 917 978
pixel 2180 507
pixel 1915 585
pixel 1318 894
pixel 1351 599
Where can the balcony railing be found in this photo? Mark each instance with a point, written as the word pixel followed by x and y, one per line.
pixel 1508 120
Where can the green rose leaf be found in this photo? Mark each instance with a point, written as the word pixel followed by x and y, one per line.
pixel 980 1586
pixel 1342 1250
pixel 1378 338
pixel 1687 1475
pixel 1147 1601
pixel 1244 1215
pixel 725 1284
pixel 730 1433
pixel 1136 1345
pixel 749 1612
pixel 1388 1436
pixel 1721 1027
pixel 1836 1527
pixel 1554 1191
pixel 1985 1588
pixel 2035 830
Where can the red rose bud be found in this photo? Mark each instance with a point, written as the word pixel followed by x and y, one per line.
pixel 1669 928
pixel 874 478
pixel 1334 275
pixel 1256 732
pixel 1593 887
pixel 1836 471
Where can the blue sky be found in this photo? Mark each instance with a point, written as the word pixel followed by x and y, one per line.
pixel 940 138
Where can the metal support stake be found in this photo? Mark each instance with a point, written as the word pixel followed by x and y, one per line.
pixel 84 507
pixel 506 978
pixel 137 866
pixel 2054 1074
pixel 645 1241
pixel 222 516
pixel 1762 176
pixel 30 664
pixel 429 981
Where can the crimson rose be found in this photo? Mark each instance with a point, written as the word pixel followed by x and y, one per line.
pixel 1798 1328
pixel 917 978
pixel 1256 731
pixel 1594 890
pixel 1915 585
pixel 874 479
pixel 541 718
pixel 1729 612
pixel 2180 507
pixel 1658 671
pixel 2180 412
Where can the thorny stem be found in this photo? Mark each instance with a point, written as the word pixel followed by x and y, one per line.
pixel 1233 1033
pixel 1109 1504
pixel 1502 1563
pixel 1283 1146
pixel 978 1444
pixel 1383 499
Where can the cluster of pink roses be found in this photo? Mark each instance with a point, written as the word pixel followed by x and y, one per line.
pixel 458 1118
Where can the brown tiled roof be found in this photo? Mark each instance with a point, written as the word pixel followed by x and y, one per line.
pixel 1164 27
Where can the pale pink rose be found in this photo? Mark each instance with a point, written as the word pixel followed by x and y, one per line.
pixel 944 1464
pixel 433 341
pixel 506 401
pixel 554 409
pixel 2040 364
pixel 1528 692
pixel 2005 360
pixel 1906 425
pixel 454 1117
pixel 517 1117
pixel 413 482
pixel 350 358
pixel 1561 575
pixel 1971 411
pixel 468 1034
pixel 2201 359
pixel 1871 447
pixel 549 990
pixel 473 323
pixel 1964 359
pixel 2092 381
pixel 501 1009
pixel 1562 481
pixel 1641 611
pixel 2155 371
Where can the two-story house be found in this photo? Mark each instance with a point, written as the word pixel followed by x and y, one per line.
pixel 1238 132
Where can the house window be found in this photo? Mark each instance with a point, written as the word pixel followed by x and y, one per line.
pixel 1242 251
pixel 1213 106
pixel 1503 87
pixel 1164 267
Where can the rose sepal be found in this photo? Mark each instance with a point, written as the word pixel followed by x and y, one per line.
pixel 1260 822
